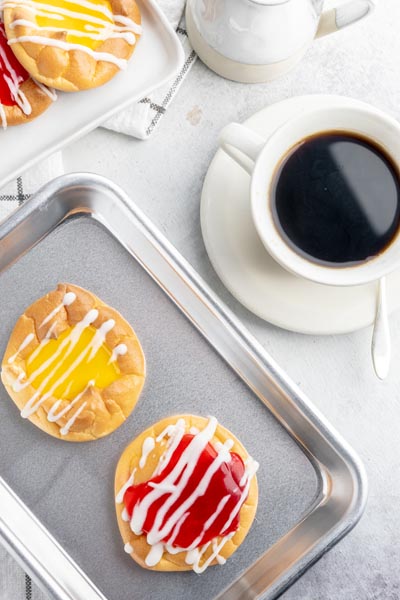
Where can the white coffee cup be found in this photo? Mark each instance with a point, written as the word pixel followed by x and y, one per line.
pixel 261 158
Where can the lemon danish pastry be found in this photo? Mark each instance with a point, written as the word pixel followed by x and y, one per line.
pixel 72 45
pixel 73 365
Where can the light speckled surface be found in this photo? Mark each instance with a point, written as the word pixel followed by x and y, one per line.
pixel 165 176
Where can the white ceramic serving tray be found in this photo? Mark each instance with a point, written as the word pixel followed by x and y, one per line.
pixel 157 58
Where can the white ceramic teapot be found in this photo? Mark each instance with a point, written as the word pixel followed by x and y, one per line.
pixel 258 40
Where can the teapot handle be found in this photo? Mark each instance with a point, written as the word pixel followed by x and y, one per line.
pixel 344 15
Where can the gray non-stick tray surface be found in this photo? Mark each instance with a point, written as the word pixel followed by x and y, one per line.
pixel 84 230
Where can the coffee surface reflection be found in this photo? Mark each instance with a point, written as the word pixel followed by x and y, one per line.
pixel 336 199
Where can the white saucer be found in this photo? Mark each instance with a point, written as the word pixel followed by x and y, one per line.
pixel 249 272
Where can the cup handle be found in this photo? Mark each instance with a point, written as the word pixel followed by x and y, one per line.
pixel 241 144
pixel 344 15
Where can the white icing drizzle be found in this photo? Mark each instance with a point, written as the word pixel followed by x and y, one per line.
pixel 43 41
pixel 164 487
pixel 54 365
pixel 125 516
pixel 50 92
pixel 199 491
pixel 193 430
pixel 119 350
pixel 18 381
pixel 170 548
pixel 97 28
pixel 69 343
pixel 194 556
pixel 68 389
pixel 71 340
pixel 24 344
pixel 175 434
pixel 211 520
pixel 228 444
pixel 183 469
pixel 119 33
pixel 100 336
pixel 171 430
pixel 64 430
pixel 250 470
pixel 128 548
pixel 14 81
pixel 174 484
pixel 3 117
pixel 30 407
pixel 148 446
pixel 119 498
pixel 43 343
pixel 155 554
pixel 68 299
pixel 53 416
pixel 47 10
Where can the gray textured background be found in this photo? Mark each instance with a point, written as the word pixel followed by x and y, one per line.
pixel 165 176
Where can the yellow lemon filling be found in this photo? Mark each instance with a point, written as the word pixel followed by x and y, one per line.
pixel 84 23
pixel 68 372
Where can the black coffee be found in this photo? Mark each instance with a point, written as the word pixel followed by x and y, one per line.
pixel 336 199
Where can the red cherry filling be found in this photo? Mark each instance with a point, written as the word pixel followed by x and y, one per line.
pixel 209 516
pixel 12 74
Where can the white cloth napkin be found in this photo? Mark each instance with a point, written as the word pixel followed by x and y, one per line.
pixel 140 119
pixel 15 192
pixel 14 583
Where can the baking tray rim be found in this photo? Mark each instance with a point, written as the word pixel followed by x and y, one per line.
pixel 75 195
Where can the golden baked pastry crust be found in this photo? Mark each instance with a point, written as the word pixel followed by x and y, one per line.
pixel 38 100
pixel 129 460
pixel 68 70
pixel 107 408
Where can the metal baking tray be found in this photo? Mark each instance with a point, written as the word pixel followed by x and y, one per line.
pixel 56 498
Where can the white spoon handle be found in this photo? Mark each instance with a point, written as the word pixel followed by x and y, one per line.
pixel 381 347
